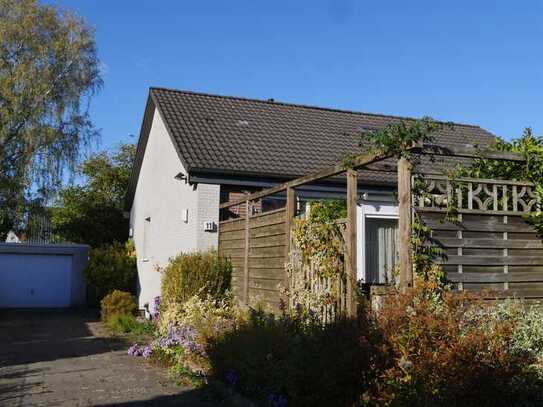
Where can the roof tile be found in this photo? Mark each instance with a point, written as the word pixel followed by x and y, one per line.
pixel 236 135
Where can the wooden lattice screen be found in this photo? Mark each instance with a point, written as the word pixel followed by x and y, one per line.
pixel 489 245
pixel 256 245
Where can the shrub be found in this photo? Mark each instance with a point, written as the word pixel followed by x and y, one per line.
pixel 200 273
pixel 117 303
pixel 296 361
pixel 110 268
pixel 193 324
pixel 461 352
pixel 124 324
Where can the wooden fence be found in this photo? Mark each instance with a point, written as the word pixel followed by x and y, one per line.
pixel 491 246
pixel 488 244
pixel 256 245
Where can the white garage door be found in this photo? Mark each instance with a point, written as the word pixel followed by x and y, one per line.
pixel 35 281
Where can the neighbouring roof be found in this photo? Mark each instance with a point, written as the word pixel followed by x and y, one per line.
pixel 224 135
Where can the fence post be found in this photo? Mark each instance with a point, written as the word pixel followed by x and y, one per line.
pixel 248 208
pixel 404 223
pixel 350 241
pixel 290 213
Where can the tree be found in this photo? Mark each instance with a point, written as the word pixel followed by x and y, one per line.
pixel 93 213
pixel 48 73
pixel 530 147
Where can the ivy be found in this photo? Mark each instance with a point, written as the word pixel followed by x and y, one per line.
pixel 397 139
pixel 530 147
pixel 320 238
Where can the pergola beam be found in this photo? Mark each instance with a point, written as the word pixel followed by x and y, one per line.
pixel 467 152
pixel 358 162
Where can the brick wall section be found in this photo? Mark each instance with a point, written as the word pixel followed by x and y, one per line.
pixel 208 211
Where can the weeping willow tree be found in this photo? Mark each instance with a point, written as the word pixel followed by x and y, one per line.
pixel 49 70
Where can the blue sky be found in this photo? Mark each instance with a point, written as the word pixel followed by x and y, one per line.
pixel 478 62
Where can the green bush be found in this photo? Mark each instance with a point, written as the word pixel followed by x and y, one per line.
pixel 288 359
pixel 124 324
pixel 199 273
pixel 459 351
pixel 111 267
pixel 417 351
pixel 117 303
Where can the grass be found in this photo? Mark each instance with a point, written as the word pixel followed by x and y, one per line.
pixel 130 327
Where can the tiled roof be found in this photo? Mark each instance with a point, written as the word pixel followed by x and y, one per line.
pixel 238 136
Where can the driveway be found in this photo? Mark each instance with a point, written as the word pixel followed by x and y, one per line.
pixel 60 358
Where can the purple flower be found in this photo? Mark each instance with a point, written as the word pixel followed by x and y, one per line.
pixel 231 377
pixel 156 308
pixel 134 350
pixel 184 336
pixel 147 351
pixel 277 400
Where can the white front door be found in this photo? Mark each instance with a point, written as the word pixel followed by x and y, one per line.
pixel 376 241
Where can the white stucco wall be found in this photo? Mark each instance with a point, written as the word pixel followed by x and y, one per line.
pixel 163 199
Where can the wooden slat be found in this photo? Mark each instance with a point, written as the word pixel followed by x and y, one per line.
pixel 267 273
pixel 498 277
pixel 268 222
pixel 238 224
pixel 268 241
pixel 232 244
pixel 491 243
pixel 268 219
pixel 265 284
pixel 524 276
pixel 264 295
pixel 277 251
pixel 496 287
pixel 268 230
pixel 494 260
pixel 233 253
pixel 232 235
pixel 230 221
pixel 268 213
pixel 481 225
pixel 266 263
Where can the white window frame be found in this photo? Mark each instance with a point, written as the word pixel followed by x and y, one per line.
pixel 370 210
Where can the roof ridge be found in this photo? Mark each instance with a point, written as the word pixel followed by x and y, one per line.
pixel 330 109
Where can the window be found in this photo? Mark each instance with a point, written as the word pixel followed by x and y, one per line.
pixel 381 249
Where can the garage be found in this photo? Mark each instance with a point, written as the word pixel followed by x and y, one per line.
pixel 42 276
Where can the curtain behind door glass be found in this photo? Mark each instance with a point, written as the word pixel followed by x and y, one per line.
pixel 381 249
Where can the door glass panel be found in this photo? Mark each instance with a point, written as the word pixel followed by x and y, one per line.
pixel 381 250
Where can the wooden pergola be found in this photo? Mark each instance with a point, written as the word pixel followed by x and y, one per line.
pixel 404 174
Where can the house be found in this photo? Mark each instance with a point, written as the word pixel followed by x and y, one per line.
pixel 197 150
